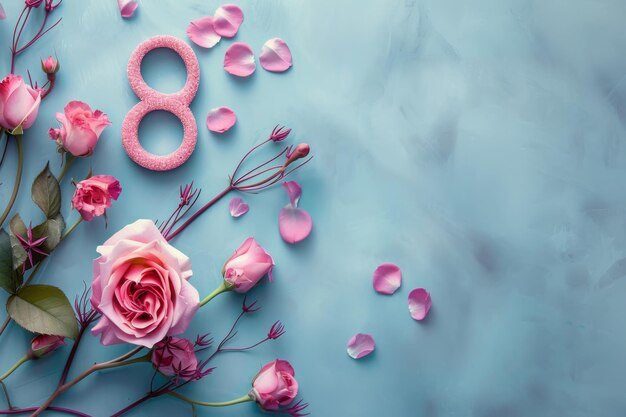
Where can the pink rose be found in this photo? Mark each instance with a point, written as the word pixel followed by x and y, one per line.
pixel 50 65
pixel 140 286
pixel 275 385
pixel 44 344
pixel 247 266
pixel 80 128
pixel 19 103
pixel 94 195
pixel 175 356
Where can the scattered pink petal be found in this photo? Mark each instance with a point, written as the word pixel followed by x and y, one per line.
pixel 220 119
pixel 294 190
pixel 360 345
pixel 238 207
pixel 202 32
pixel 227 20
pixel 387 278
pixel 275 55
pixel 127 7
pixel 294 224
pixel 419 303
pixel 239 60
pixel 3 15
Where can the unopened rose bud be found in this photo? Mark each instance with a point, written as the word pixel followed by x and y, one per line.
pixel 44 344
pixel 33 3
pixel 50 5
pixel 301 151
pixel 279 134
pixel 50 65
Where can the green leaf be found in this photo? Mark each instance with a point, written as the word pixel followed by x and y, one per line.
pixel 8 278
pixel 43 309
pixel 19 254
pixel 53 229
pixel 47 192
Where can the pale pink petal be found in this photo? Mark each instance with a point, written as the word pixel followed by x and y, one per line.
pixel 294 191
pixel 360 345
pixel 202 32
pixel 275 55
pixel 238 207
pixel 221 119
pixel 3 15
pixel 294 224
pixel 239 60
pixel 127 7
pixel 419 303
pixel 227 20
pixel 387 278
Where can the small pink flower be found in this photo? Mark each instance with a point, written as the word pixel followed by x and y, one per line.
pixel 50 65
pixel 33 3
pixel 247 266
pixel 141 287
pixel 19 103
pixel 175 356
pixel 44 344
pixel 275 386
pixel 301 151
pixel 94 195
pixel 80 128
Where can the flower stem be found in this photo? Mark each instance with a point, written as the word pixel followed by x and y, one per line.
pixel 244 399
pixel 135 404
pixel 4 325
pixel 222 288
pixel 71 228
pixel 16 365
pixel 69 161
pixel 18 179
pixel 202 209
pixel 31 409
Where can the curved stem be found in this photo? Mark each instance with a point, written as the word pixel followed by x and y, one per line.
pixel 5 324
pixel 244 399
pixel 69 161
pixel 199 212
pixel 18 179
pixel 16 365
pixel 135 404
pixel 222 288
pixel 31 409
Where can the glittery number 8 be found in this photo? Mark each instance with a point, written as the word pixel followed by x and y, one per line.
pixel 151 100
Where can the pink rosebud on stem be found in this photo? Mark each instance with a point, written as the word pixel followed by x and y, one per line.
pixel 50 65
pixel 19 104
pixel 80 129
pixel 301 151
pixel 245 268
pixel 44 344
pixel 275 385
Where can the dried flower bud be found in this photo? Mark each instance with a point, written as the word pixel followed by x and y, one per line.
pixel 50 65
pixel 33 3
pixel 44 344
pixel 301 151
pixel 279 134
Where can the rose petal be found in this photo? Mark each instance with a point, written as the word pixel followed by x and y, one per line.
pixel 387 278
pixel 294 224
pixel 202 32
pixel 239 60
pixel 275 55
pixel 220 119
pixel 294 191
pixel 360 345
pixel 238 207
pixel 127 7
pixel 3 15
pixel 227 20
pixel 419 303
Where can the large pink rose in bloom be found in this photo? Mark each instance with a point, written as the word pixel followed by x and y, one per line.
pixel 19 103
pixel 94 195
pixel 175 356
pixel 140 286
pixel 247 266
pixel 275 385
pixel 80 128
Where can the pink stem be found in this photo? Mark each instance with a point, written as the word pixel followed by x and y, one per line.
pixel 31 409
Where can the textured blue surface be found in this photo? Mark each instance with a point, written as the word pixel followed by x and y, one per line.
pixel 479 145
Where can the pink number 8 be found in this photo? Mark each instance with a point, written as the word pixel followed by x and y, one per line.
pixel 151 100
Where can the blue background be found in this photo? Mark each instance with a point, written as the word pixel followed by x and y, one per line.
pixel 479 145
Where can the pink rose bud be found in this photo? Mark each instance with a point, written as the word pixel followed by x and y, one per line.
pixel 80 128
pixel 44 344
pixel 175 356
pixel 19 103
pixel 50 65
pixel 279 134
pixel 275 385
pixel 301 151
pixel 33 3
pixel 94 195
pixel 247 266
